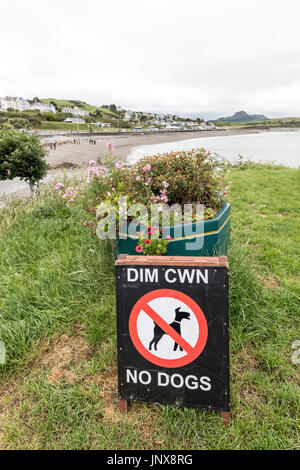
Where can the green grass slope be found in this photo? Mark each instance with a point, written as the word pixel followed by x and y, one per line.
pixel 80 104
pixel 274 122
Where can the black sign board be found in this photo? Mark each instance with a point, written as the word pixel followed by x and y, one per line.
pixel 172 327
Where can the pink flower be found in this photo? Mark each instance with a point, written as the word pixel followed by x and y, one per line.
pixel 84 223
pixel 147 241
pixel 119 165
pixel 110 147
pixel 168 237
pixel 147 167
pixel 92 162
pixel 150 233
pixel 139 248
pixel 59 185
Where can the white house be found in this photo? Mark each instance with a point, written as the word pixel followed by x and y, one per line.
pixel 208 126
pixel 75 111
pixel 128 115
pixel 75 120
pixel 43 107
pixel 14 102
pixel 131 115
pixel 177 125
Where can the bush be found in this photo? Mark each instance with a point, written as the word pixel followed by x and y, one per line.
pixel 22 156
pixel 191 177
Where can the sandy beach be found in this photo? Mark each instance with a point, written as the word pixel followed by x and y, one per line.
pixel 69 155
pixel 72 157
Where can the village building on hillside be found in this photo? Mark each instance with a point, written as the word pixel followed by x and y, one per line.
pixel 14 102
pixel 20 104
pixel 75 120
pixel 129 115
pixel 75 111
pixel 43 107
pixel 207 126
pixel 178 125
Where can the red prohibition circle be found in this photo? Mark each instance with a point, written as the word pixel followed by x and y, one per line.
pixel 203 329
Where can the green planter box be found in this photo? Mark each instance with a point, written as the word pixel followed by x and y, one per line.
pixel 212 238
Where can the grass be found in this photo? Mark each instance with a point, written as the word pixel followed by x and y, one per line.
pixel 68 126
pixel 273 122
pixel 81 104
pixel 57 317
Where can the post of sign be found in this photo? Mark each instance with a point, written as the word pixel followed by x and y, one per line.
pixel 173 331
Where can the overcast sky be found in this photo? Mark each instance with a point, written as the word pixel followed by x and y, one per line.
pixel 211 57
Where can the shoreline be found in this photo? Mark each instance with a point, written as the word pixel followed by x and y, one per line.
pixel 68 154
pixel 73 157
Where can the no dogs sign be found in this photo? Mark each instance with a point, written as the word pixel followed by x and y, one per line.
pixel 172 317
pixel 159 331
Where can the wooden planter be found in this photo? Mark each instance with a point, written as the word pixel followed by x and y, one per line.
pixel 212 235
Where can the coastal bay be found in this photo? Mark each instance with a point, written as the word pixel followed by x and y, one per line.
pixel 72 157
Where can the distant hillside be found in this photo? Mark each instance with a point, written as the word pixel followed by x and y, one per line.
pixel 21 114
pixel 242 116
pixel 80 104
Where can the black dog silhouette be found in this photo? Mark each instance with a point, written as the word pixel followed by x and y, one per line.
pixel 176 325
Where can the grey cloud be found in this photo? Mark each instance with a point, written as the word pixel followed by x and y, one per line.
pixel 165 55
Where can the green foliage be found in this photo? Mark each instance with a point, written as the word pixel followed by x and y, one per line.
pixel 58 117
pixel 152 246
pixel 21 156
pixel 193 176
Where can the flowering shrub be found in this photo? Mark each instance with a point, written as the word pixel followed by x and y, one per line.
pixel 187 177
pixel 175 178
